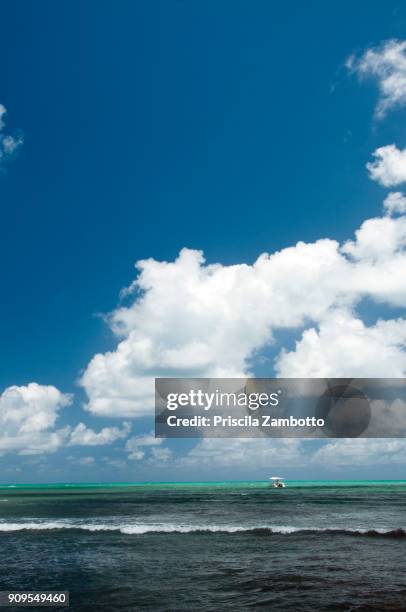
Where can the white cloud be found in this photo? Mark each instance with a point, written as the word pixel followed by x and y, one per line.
pixel 395 202
pixel 8 143
pixel 86 461
pixel 28 422
pixel 136 447
pixel 270 455
pixel 137 455
pixel 160 456
pixel 191 319
pixel 344 346
pixel 27 419
pixel 389 166
pixel 217 453
pixel 148 439
pixel 387 64
pixel 362 451
pixel 83 436
pixel 11 144
pixel 377 241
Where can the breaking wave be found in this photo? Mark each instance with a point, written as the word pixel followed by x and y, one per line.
pixel 145 528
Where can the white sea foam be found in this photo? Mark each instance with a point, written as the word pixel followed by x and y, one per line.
pixel 143 528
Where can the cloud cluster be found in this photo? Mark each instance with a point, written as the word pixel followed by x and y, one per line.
pixel 387 64
pixel 395 203
pixel 137 446
pixel 84 436
pixel 362 451
pixel 215 453
pixel 8 143
pixel 27 419
pixel 193 319
pixel 187 318
pixel 389 166
pixel 28 422
pixel 343 346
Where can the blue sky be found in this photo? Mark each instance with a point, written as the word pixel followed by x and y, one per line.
pixel 231 127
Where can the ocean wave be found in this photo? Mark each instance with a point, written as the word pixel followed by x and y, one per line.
pixel 144 528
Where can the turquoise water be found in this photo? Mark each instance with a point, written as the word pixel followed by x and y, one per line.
pixel 223 484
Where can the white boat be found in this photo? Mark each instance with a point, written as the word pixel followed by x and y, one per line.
pixel 277 482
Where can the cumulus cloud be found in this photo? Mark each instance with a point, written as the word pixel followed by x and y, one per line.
pixel 84 436
pixel 8 143
pixel 217 453
pixel 160 456
pixel 378 240
pixel 395 203
pixel 343 346
pixel 265 454
pixel 191 319
pixel 389 167
pixel 29 422
pixel 361 451
pixel 27 419
pixel 387 64
pixel 136 447
pixel 186 318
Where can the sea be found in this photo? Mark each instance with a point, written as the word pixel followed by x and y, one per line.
pixel 320 545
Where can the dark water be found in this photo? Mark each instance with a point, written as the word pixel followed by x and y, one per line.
pixel 231 546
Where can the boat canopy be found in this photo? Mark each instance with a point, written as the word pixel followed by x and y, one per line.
pixel 276 478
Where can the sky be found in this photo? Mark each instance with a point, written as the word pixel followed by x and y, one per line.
pixel 269 137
